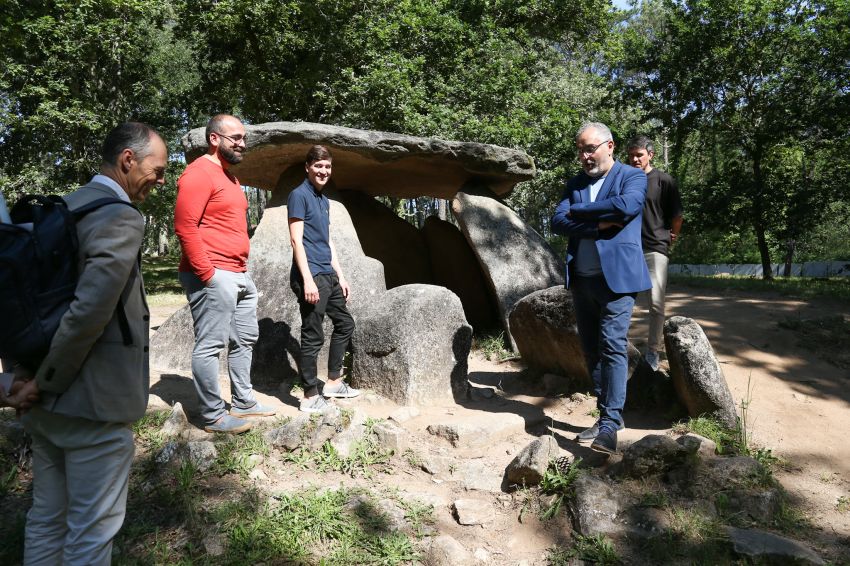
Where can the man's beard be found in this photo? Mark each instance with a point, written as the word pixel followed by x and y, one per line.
pixel 593 170
pixel 229 155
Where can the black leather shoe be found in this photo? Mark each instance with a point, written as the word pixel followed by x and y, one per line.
pixel 589 434
pixel 606 441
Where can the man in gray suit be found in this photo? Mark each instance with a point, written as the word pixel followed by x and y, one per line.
pixel 93 384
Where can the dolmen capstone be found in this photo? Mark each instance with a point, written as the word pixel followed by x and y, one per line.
pixel 413 336
pixel 697 376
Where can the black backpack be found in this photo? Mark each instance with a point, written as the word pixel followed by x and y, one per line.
pixel 38 275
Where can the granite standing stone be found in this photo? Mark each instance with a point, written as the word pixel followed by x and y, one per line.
pixel 697 376
pixel 515 259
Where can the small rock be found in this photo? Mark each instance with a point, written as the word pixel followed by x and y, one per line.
pixel 738 469
pixel 213 545
pixel 703 447
pixel 480 393
pixel 579 398
pixel 255 460
pixel 747 503
pixel 481 555
pixel 770 548
pixel 176 422
pixel 201 454
pixel 596 507
pixel 479 475
pixel 652 454
pixel 391 436
pixel 346 439
pixel 473 511
pixel 529 466
pixel 481 432
pixel 258 475
pixel 446 551
pixel 436 464
pixel 404 414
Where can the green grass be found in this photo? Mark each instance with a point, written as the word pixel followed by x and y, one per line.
pixel 148 429
pixel 492 346
pixel 559 483
pixel 365 457
pixel 805 288
pixel 235 451
pixel 593 549
pixel 160 274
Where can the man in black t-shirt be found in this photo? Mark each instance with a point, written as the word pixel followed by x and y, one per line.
pixel 662 221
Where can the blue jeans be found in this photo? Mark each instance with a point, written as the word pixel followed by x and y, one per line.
pixel 603 319
pixel 224 313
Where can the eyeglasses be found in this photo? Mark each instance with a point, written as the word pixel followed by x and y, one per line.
pixel 235 139
pixel 590 149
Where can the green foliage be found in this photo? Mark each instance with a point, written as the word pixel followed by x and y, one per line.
pixel 596 549
pixel 148 429
pixel 366 456
pixel 235 451
pixel 842 505
pixel 559 483
pixel 492 346
pixel 752 95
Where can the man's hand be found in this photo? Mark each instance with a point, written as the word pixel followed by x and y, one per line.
pixel 311 292
pixel 24 392
pixel 346 288
pixel 673 236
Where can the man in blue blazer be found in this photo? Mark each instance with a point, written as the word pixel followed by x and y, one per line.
pixel 601 212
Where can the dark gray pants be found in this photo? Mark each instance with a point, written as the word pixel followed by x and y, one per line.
pixel 332 302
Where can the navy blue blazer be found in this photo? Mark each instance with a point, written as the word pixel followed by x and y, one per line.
pixel 619 200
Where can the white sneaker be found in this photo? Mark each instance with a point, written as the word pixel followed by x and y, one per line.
pixel 652 359
pixel 315 404
pixel 340 391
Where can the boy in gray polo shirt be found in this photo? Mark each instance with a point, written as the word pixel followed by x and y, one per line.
pixel 318 282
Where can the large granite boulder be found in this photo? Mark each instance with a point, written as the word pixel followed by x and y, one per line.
pixel 515 259
pixel 397 244
pixel 277 311
pixel 543 323
pixel 455 267
pixel 412 345
pixel 376 163
pixel 697 376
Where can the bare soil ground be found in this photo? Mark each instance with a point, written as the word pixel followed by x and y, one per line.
pixel 798 405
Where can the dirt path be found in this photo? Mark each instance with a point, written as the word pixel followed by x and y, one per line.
pixel 799 407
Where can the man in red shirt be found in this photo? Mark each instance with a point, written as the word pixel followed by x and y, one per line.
pixel 210 218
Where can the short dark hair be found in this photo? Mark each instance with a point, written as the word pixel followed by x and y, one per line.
pixel 641 142
pixel 215 123
pixel 134 136
pixel 318 153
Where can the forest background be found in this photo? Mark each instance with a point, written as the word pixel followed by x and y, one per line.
pixel 748 101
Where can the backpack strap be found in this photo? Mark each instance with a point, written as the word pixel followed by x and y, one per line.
pixel 79 213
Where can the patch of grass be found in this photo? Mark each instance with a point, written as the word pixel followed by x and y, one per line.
pixel 492 346
pixel 148 429
pixel 594 412
pixel 366 455
pixel 300 527
pixel 711 428
pixel 559 483
pixel 413 458
pixel 160 274
pixel 806 288
pixel 694 526
pixel 235 450
pixel 842 505
pixel 653 499
pixel 826 337
pixel 595 549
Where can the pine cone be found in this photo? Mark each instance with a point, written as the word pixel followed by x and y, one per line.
pixel 562 464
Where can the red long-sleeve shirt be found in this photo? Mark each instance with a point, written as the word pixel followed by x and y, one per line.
pixel 210 220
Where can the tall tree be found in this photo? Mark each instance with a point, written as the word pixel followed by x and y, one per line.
pixel 760 75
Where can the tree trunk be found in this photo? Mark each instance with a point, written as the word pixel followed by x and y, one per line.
pixel 759 224
pixel 789 257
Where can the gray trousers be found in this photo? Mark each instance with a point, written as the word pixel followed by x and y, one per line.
pixel 224 314
pixel 657 264
pixel 80 473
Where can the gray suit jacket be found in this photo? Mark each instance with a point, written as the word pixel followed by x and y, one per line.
pixel 89 372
